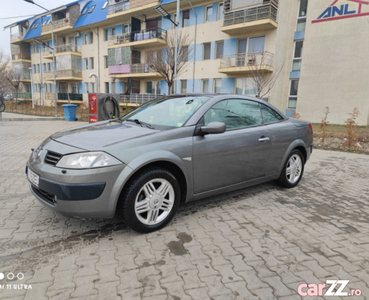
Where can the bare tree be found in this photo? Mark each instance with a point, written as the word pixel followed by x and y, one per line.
pixel 5 72
pixel 162 59
pixel 14 78
pixel 260 64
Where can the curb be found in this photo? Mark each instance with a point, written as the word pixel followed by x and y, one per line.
pixel 32 119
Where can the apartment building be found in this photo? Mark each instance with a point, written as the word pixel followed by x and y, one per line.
pixel 299 53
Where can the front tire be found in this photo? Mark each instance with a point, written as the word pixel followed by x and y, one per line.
pixel 151 200
pixel 292 170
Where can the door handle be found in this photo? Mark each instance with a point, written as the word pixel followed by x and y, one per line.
pixel 264 139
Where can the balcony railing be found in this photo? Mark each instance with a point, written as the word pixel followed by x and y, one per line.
pixel 118 7
pixel 25 56
pixel 25 74
pixel 142 68
pixel 57 24
pixel 23 95
pixel 71 73
pixel 267 11
pixel 16 36
pixel 66 48
pixel 138 36
pixel 70 96
pixel 138 98
pixel 250 59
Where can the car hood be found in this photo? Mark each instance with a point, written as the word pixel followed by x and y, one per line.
pixel 100 135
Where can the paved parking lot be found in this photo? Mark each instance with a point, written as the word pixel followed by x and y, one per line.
pixel 258 243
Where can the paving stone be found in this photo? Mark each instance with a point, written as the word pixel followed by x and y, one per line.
pixel 84 286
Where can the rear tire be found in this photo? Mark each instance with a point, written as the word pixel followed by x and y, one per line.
pixel 293 170
pixel 151 200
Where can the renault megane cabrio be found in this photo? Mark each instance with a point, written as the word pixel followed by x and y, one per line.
pixel 166 152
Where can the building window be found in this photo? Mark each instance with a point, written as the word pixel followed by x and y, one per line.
pixel 113 31
pixel 301 18
pixel 126 28
pixel 106 34
pixel 107 90
pixel 219 46
pixel 91 38
pixel 92 87
pixel 185 18
pixel 86 87
pixel 84 11
pixel 106 61
pixel 245 86
pixel 209 14
pixel 296 64
pixel 86 63
pixel 205 85
pixel 207 47
pixel 217 85
pixel 92 65
pixel 85 40
pixel 220 11
pixel 105 5
pixel 183 86
pixel 185 53
pixel 91 9
pixel 292 99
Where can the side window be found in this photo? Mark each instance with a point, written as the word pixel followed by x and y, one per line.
pixel 269 115
pixel 235 114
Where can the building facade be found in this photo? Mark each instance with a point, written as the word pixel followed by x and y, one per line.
pixel 296 55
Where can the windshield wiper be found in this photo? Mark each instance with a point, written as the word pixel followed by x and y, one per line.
pixel 137 121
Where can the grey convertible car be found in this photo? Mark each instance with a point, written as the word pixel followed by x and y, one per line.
pixel 169 151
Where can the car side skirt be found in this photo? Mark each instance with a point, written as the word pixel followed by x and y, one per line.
pixel 234 187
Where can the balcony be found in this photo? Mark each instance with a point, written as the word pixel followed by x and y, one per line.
pixel 65 75
pixel 62 49
pixel 21 56
pixel 23 96
pixel 65 97
pixel 247 63
pixel 262 17
pixel 138 71
pixel 16 38
pixel 23 76
pixel 139 39
pixel 137 99
pixel 126 7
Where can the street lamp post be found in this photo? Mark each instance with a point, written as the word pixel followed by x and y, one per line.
pixel 54 62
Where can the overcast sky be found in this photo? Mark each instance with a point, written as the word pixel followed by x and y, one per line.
pixel 20 10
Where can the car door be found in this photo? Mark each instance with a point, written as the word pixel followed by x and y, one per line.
pixel 237 155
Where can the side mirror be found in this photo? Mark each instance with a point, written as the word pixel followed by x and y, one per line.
pixel 213 128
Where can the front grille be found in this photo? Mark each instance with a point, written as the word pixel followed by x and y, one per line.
pixel 52 158
pixel 49 198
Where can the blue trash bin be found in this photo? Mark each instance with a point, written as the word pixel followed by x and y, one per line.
pixel 70 112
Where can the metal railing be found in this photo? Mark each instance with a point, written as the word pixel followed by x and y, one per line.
pixel 25 74
pixel 26 56
pixel 249 59
pixel 118 7
pixel 267 11
pixel 138 98
pixel 65 73
pixel 63 48
pixel 59 24
pixel 23 95
pixel 70 96
pixel 140 35
pixel 16 36
pixel 141 68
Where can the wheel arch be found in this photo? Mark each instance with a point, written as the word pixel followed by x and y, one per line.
pixel 163 163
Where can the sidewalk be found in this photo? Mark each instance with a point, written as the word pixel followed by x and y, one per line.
pixel 6 116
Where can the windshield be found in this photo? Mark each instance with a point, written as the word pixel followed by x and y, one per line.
pixel 172 112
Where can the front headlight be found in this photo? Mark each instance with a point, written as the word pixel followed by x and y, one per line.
pixel 87 160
